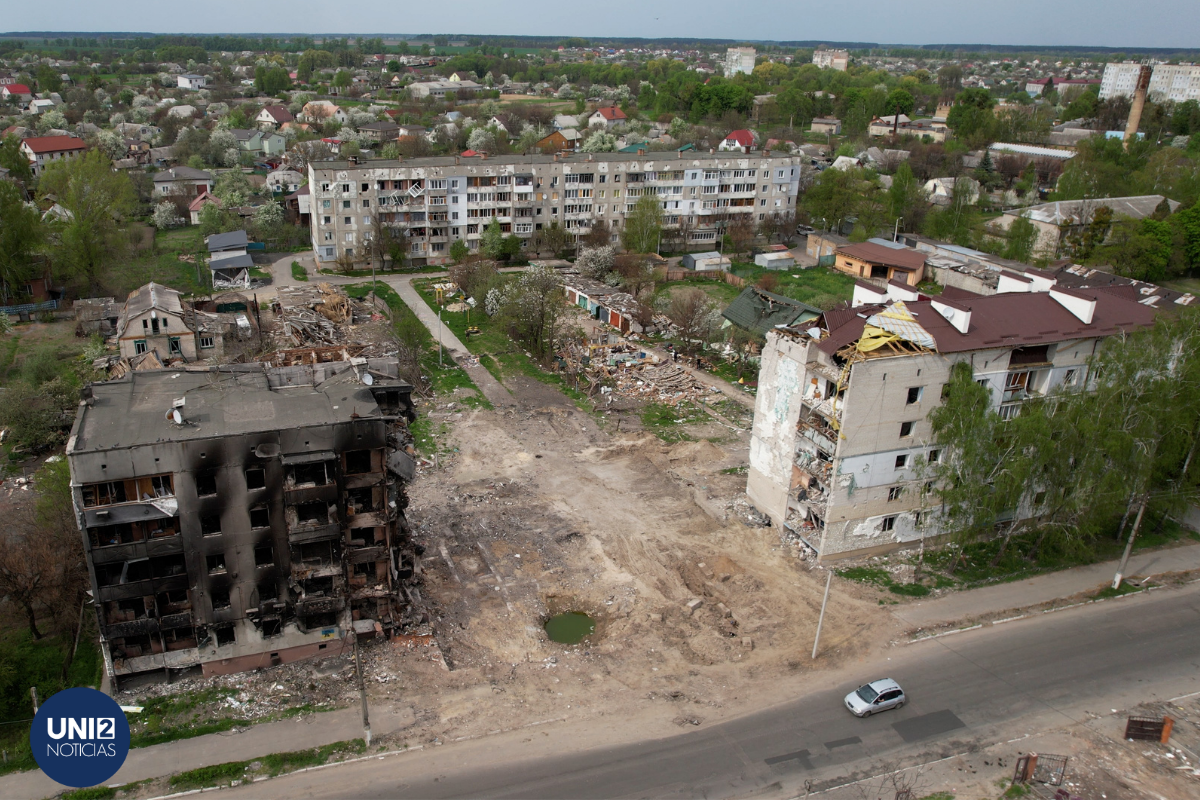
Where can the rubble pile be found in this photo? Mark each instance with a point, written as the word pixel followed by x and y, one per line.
pixel 322 317
pixel 622 369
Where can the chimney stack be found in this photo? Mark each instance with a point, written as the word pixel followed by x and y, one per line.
pixel 1139 101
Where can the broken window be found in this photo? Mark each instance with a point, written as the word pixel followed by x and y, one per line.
pixel 272 627
pixel 1039 354
pixel 889 523
pixel 224 635
pixel 123 533
pixel 256 478
pixel 895 492
pixel 103 494
pixel 906 429
pixel 315 553
pixel 167 566
pixel 173 602
pixel 361 537
pixel 1039 498
pixel 901 462
pixel 126 610
pixel 365 568
pixel 216 563
pixel 154 486
pixel 220 598
pixel 316 474
pixel 1015 385
pixel 1069 378
pixel 206 483
pixel 267 591
pixel 179 638
pixel 914 394
pixel 360 501
pixel 312 514
pixel 260 517
pixel 264 555
pixel 134 646
pixel 210 525
pixel 358 462
pixel 933 456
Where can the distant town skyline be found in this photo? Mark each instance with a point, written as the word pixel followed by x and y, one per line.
pixel 1068 23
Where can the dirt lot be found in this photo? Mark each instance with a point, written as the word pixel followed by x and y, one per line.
pixel 541 511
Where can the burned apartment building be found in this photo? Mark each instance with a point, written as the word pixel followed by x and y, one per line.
pixel 842 446
pixel 243 516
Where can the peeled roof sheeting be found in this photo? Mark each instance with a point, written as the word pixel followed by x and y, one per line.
pixel 897 319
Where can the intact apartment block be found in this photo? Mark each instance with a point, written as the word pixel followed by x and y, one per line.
pixel 438 200
pixel 739 61
pixel 246 516
pixel 1176 83
pixel 831 59
pixel 842 449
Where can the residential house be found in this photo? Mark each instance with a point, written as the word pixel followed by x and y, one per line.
pixel 154 319
pixel 284 180
pixel 609 117
pixel 841 442
pixel 823 245
pixel 379 131
pixel 201 200
pixel 741 141
pixel 39 106
pixel 936 131
pixel 883 126
pixel 459 77
pixel 826 125
pixel 881 261
pixel 561 141
pixel 184 181
pixel 136 130
pixel 17 93
pixel 273 116
pixel 1066 218
pixel 45 150
pixel 229 260
pixel 259 142
pixel 319 111
pixel 182 112
pixel 438 89
pixel 138 149
pixel 298 206
pixel 243 516
pixel 562 121
pixel 1035 88
pixel 943 191
pixel 193 82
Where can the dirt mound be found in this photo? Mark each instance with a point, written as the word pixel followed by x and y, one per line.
pixel 701 453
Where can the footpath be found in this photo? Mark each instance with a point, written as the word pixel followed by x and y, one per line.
pixel 970 606
pixel 256 741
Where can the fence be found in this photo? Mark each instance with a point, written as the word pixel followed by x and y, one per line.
pixel 1149 729
pixel 1040 768
pixel 669 275
pixel 30 308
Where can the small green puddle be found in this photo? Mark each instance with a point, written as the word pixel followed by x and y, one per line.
pixel 570 628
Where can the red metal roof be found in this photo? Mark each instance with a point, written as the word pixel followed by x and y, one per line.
pixel 54 144
pixel 872 253
pixel 743 137
pixel 611 112
pixel 16 88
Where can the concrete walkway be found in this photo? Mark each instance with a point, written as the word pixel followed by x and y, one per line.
pixel 970 605
pixel 492 389
pixel 254 741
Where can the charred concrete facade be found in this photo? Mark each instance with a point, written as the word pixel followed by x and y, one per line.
pixel 241 517
pixel 842 451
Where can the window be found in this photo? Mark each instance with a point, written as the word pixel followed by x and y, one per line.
pixel 264 555
pixel 901 461
pixel 139 346
pixel 328 221
pixel 366 203
pixel 210 525
pixel 367 186
pixel 267 590
pixel 260 517
pixel 906 429
pixel 1069 378
pixel 225 635
pixel 358 462
pixel 207 342
pixel 103 494
pixel 1039 498
pixel 220 598
pixel 914 394
pixel 933 456
pixel 346 221
pixel 895 492
pixel 888 524
pixel 175 346
pixel 345 204
pixel 256 478
pixel 216 563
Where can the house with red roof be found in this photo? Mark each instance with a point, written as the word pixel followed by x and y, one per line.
pixel 608 117
pixel 204 198
pixel 15 91
pixel 741 141
pixel 44 150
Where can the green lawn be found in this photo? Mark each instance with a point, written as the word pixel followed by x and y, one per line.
pixel 818 286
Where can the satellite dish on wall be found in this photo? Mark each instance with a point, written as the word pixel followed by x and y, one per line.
pixel 368 379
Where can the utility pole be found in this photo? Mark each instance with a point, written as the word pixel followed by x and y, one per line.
pixel 33 694
pixel 821 619
pixel 1116 584
pixel 439 335
pixel 362 688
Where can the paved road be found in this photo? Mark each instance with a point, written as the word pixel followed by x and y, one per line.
pixel 981 687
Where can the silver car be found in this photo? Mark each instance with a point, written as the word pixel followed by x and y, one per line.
pixel 875 696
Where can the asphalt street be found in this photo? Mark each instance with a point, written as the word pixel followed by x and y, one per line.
pixel 976 688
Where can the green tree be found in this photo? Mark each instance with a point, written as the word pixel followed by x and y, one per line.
pixel 491 242
pixel 21 237
pixel 342 79
pixel 643 227
pixel 1022 236
pixel 834 196
pixel 271 80
pixel 971 114
pixel 13 160
pixel 459 251
pixel 100 201
pixel 48 79
pixel 906 197
pixel 899 102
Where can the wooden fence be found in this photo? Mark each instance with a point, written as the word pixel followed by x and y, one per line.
pixel 668 275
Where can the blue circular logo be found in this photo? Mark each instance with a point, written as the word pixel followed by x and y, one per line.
pixel 80 737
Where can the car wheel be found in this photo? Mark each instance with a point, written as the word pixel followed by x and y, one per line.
pixel 900 704
pixel 866 713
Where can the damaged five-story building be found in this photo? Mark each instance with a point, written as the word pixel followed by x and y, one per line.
pixel 243 516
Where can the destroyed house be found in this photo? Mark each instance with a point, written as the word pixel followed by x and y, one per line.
pixel 245 516
pixel 154 319
pixel 842 446
pixel 759 311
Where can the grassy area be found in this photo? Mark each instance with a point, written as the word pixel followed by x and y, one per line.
pixel 720 291
pixel 274 764
pixel 498 353
pixel 366 273
pixel 883 579
pixel 299 273
pixel 160 263
pixel 818 286
pixel 665 420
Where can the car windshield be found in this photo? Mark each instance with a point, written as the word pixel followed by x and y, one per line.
pixel 867 693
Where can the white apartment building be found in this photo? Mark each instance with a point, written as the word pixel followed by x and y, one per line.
pixel 739 59
pixel 441 199
pixel 831 59
pixel 842 450
pixel 1175 83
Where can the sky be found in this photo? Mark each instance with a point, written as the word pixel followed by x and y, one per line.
pixel 1108 23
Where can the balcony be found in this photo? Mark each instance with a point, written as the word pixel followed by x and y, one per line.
pixel 310 494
